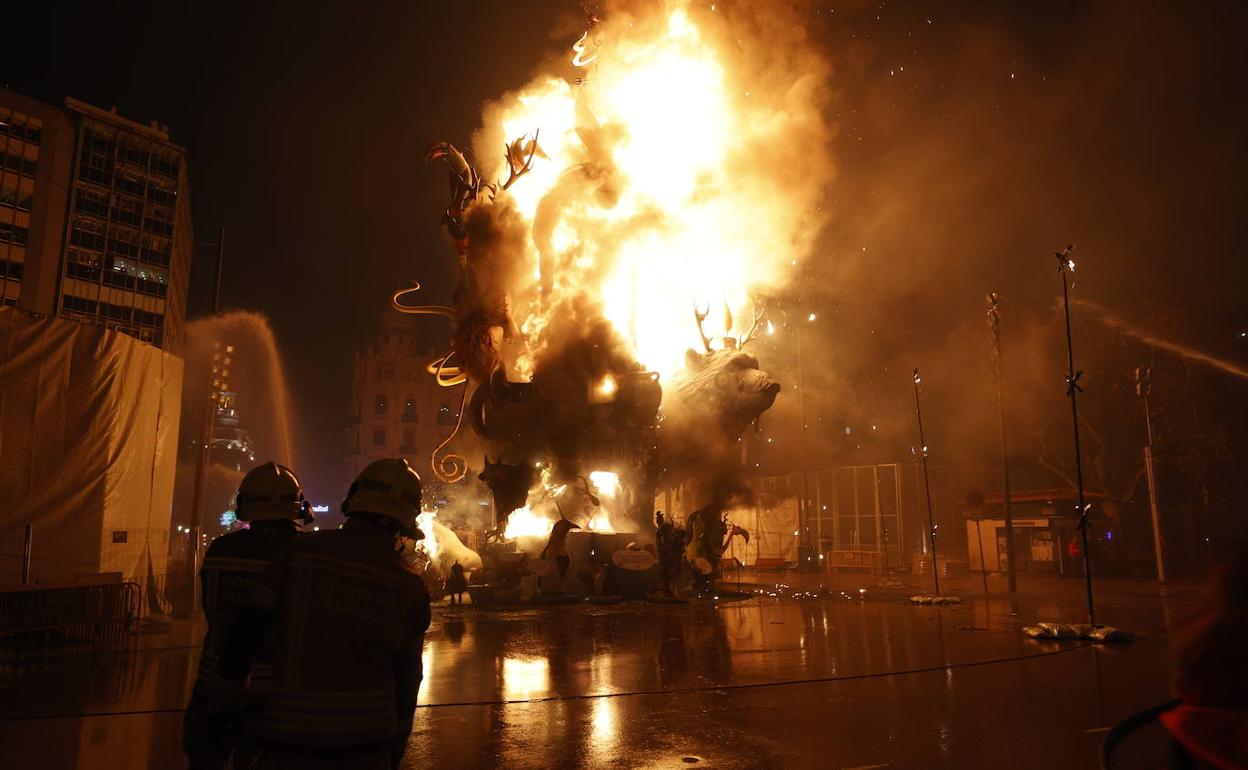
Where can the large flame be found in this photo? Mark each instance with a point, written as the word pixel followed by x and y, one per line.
pixel 538 514
pixel 663 187
pixel 424 521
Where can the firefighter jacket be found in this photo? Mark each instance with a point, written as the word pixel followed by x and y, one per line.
pixel 346 619
pixel 229 581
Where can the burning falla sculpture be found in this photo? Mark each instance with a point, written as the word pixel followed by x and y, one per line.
pixel 586 403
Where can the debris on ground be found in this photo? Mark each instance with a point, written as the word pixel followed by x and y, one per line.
pixel 1078 631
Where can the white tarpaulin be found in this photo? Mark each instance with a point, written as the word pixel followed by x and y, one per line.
pixel 771 526
pixel 88 435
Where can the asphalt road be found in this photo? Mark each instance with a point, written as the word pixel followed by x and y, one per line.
pixel 840 681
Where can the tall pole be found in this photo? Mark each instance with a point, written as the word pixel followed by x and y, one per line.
pixel 28 537
pixel 994 327
pixel 1143 388
pixel 1066 264
pixel 927 486
pixel 207 426
pixel 803 511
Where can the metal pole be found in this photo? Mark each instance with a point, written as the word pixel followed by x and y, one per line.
pixel 803 511
pixel 205 448
pixel 994 325
pixel 983 568
pixel 216 285
pixel 927 486
pixel 1065 263
pixel 28 536
pixel 1143 386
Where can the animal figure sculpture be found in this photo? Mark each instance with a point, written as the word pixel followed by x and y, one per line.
pixel 710 534
pixel 561 417
pixel 509 484
pixel 482 310
pixel 555 554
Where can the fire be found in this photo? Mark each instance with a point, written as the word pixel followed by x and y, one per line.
pixel 662 184
pixel 540 512
pixel 523 522
pixel 606 388
pixel 430 541
pixel 607 483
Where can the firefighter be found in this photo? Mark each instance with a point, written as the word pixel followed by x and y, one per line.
pixel 346 617
pixel 270 500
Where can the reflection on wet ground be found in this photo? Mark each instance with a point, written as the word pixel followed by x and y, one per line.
pixel 839 681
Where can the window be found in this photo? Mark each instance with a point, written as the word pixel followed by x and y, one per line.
pixel 409 409
pixel 387 371
pixel 127 209
pixel 380 407
pixel 82 272
pixel 13 233
pixel 78 304
pixel 88 234
pixel 409 441
pixel 379 438
pixel 93 202
pixel 115 312
pixel 9 196
pixel 444 415
pixel 19 164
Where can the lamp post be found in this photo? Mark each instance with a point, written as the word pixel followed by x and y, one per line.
pixel 1065 264
pixel 220 361
pixel 927 486
pixel 994 329
pixel 806 558
pixel 1143 388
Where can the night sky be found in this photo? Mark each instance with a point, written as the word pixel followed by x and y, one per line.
pixel 972 138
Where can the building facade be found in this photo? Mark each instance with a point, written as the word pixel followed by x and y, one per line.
pixel 397 408
pixel 36 149
pixel 95 220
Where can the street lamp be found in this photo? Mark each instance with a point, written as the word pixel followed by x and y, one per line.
pixel 1065 264
pixel 994 329
pixel 927 485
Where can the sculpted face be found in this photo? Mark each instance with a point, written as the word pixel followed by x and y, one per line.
pixel 729 384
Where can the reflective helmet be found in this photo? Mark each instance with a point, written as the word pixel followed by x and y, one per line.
pixel 270 492
pixel 389 488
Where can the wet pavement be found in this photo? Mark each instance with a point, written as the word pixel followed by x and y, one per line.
pixel 845 680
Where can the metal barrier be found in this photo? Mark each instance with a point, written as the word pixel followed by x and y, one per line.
pixel 948 562
pixel 868 560
pixel 98 616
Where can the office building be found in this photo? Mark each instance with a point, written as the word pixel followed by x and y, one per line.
pixel 95 220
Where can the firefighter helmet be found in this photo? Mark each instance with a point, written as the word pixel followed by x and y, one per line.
pixel 389 488
pixel 270 492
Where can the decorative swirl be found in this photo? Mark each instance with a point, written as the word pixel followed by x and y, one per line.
pixel 442 310
pixel 447 376
pixel 451 467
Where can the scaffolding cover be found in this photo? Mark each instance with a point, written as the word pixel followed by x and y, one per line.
pixel 771 527
pixel 88 440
